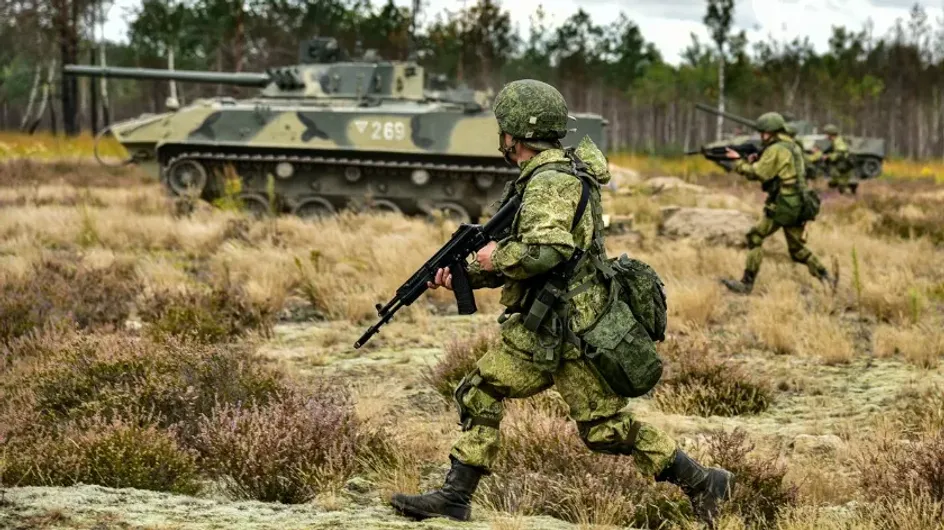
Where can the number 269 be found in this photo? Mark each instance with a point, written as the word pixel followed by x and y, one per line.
pixel 387 130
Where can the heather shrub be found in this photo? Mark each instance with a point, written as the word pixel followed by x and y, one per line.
pixel 544 469
pixel 62 289
pixel 75 376
pixel 217 314
pixel 760 492
pixel 894 470
pixel 698 384
pixel 285 450
pixel 897 216
pixel 457 361
pixel 111 453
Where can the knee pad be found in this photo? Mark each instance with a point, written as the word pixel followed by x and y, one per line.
pixel 470 383
pixel 754 240
pixel 611 442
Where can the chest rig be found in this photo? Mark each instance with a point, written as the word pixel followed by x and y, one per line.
pixel 546 307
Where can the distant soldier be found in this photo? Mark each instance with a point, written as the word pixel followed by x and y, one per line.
pixel 841 170
pixel 540 335
pixel 781 171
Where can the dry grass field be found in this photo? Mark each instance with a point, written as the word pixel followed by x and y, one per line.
pixel 198 371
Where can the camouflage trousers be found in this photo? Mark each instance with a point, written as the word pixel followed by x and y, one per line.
pixel 504 372
pixel 796 244
pixel 843 181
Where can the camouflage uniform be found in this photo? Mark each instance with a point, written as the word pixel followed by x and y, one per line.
pixel 841 170
pixel 544 236
pixel 525 363
pixel 778 161
pixel 781 172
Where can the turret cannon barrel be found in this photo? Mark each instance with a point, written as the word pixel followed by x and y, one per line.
pixel 733 117
pixel 238 79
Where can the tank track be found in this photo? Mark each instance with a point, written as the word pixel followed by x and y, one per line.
pixel 456 179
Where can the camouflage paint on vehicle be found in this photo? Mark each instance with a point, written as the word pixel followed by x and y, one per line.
pixel 868 153
pixel 331 133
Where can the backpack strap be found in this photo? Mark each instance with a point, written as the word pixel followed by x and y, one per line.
pixel 582 203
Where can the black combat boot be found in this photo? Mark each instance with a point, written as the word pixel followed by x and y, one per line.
pixel 453 500
pixel 745 286
pixel 829 281
pixel 706 487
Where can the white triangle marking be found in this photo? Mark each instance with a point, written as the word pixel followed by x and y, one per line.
pixel 361 125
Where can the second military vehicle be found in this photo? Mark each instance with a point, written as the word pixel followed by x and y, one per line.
pixel 328 132
pixel 868 154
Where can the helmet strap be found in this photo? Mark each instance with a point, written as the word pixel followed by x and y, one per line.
pixel 507 150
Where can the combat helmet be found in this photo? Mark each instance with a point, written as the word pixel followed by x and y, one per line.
pixel 791 130
pixel 532 112
pixel 831 130
pixel 771 122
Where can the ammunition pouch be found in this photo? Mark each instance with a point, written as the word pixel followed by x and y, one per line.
pixel 771 187
pixel 811 206
pixel 785 209
pixel 552 292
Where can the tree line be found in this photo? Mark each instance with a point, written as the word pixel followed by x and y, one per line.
pixel 871 85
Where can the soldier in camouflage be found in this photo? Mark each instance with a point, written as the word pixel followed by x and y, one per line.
pixel 532 118
pixel 781 172
pixel 842 174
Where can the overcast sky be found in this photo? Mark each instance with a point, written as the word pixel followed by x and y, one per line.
pixel 668 23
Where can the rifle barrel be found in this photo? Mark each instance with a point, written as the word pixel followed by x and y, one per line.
pixel 733 117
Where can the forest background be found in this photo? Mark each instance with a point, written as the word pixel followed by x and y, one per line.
pixel 889 85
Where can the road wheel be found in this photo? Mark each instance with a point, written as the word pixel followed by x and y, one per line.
pixel 187 177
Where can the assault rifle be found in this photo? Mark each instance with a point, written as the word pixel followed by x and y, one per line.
pixel 719 153
pixel 467 239
pixel 822 165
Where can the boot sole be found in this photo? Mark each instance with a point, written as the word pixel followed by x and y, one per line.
pixel 420 515
pixel 727 495
pixel 734 289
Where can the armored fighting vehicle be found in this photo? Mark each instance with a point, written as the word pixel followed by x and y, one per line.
pixel 867 153
pixel 329 131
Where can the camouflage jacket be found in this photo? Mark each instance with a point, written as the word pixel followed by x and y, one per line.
pixel 838 152
pixel 542 239
pixel 782 160
pixel 781 170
